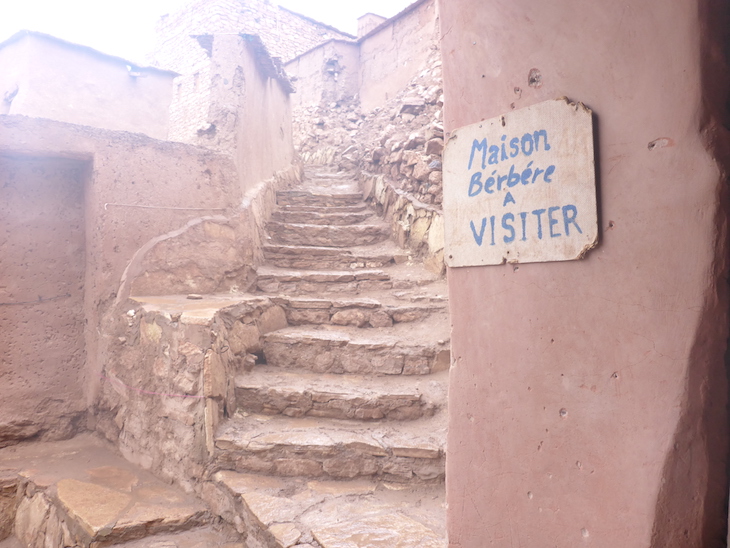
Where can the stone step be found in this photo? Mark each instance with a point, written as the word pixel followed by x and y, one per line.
pixel 78 492
pixel 321 218
pixel 399 277
pixel 318 258
pixel 284 512
pixel 327 235
pixel 268 390
pixel 331 448
pixel 360 311
pixel 404 349
pixel 283 281
pixel 317 198
pixel 357 208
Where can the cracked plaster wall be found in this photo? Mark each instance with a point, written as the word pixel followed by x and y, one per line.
pixel 588 398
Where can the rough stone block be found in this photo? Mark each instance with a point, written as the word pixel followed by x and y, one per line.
pixel 272 319
pixel 350 317
pixel 243 338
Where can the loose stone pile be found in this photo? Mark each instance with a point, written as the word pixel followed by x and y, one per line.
pixel 402 140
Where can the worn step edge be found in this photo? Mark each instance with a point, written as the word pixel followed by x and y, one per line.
pixel 321 219
pixel 365 312
pixel 281 446
pixel 368 353
pixel 280 512
pixel 268 390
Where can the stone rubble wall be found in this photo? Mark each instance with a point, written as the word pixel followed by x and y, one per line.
pixel 184 45
pixel 169 381
pixel 397 151
pixel 325 74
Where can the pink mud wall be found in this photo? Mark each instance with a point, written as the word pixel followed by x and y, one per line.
pixel 69 223
pixel 627 343
pixel 42 263
pixel 75 84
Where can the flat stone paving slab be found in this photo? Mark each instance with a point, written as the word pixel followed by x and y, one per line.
pixel 340 514
pixel 101 495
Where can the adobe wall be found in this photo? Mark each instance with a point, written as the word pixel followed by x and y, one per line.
pixel 325 74
pixel 285 33
pixel 248 112
pixel 48 78
pixel 42 245
pixel 136 191
pixel 588 398
pixel 392 54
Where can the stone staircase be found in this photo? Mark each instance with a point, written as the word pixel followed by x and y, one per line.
pixel 340 432
pixel 338 438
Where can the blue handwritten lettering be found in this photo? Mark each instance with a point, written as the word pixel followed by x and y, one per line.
pixel 552 222
pixel 548 172
pixel 570 219
pixel 508 217
pixel 477 146
pixel 475 185
pixel 478 237
pixel 537 214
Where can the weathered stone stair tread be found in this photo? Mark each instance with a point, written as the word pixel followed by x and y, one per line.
pixel 274 280
pixel 355 208
pixel 98 496
pixel 286 275
pixel 256 433
pixel 318 257
pixel 321 218
pixel 205 537
pixel 357 312
pixel 403 349
pixel 338 514
pixel 429 333
pixel 329 235
pixel 319 197
pixel 272 391
pixel 373 300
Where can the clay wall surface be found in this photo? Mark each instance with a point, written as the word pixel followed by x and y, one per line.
pixel 248 112
pixel 44 77
pixel 139 191
pixel 367 22
pixel 392 54
pixel 285 33
pixel 42 250
pixel 325 74
pixel 588 398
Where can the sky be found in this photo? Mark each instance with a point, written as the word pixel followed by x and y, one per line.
pixel 126 27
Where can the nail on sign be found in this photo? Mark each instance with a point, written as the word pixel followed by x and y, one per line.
pixel 520 188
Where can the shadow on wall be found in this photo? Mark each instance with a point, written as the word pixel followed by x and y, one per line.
pixel 704 415
pixel 42 245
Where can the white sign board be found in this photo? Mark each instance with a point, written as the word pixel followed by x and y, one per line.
pixel 521 187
